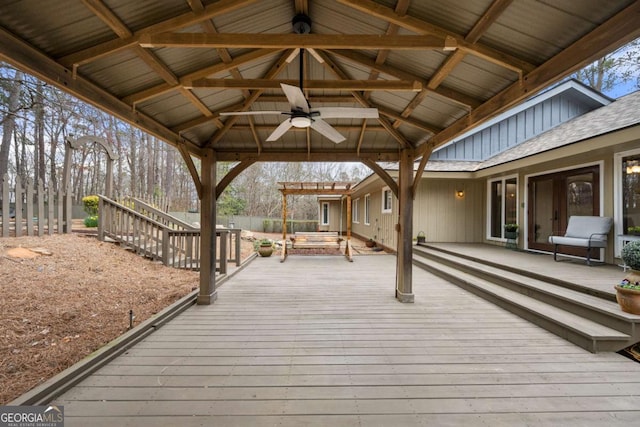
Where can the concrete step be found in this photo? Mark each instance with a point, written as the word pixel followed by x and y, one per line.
pixel 591 322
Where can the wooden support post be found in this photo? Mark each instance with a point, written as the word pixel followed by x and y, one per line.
pixel 404 289
pixel 208 244
pixel 283 255
pixel 347 249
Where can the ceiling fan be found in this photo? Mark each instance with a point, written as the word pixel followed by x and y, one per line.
pixel 301 114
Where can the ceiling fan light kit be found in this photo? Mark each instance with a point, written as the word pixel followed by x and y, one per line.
pixel 301 115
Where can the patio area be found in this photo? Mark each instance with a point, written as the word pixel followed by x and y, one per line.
pixel 321 341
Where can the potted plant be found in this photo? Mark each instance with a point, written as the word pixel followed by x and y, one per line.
pixel 634 230
pixel 370 243
pixel 511 231
pixel 421 237
pixel 264 247
pixel 628 291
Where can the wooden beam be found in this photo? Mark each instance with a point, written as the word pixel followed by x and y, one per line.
pixel 90 54
pixel 420 171
pixel 293 41
pixel 407 120
pixel 186 156
pixel 234 155
pixel 612 34
pixel 337 71
pixel 107 16
pixel 421 27
pixel 379 170
pixel 25 57
pixel 350 85
pixel 254 132
pixel 212 70
pixel 449 94
pixel 487 19
pixel 271 74
pixel 231 175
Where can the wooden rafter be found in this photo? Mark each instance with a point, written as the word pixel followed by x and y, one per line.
pixel 333 67
pixel 392 29
pixel 307 41
pixel 485 21
pixel 24 56
pixel 421 27
pixel 222 67
pixel 616 32
pixel 272 73
pixel 185 20
pixel 449 94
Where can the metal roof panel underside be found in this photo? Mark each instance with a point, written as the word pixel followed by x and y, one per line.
pixel 434 68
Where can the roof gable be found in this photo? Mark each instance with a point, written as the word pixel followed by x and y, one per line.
pixel 533 117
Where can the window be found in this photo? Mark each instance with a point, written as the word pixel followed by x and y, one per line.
pixel 354 210
pixel 387 200
pixel 367 211
pixel 325 213
pixel 503 205
pixel 630 192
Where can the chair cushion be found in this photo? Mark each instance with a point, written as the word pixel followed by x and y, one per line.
pixel 583 227
pixel 577 241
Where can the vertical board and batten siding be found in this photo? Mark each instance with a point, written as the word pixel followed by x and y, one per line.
pixel 381 226
pixel 444 217
pixel 514 130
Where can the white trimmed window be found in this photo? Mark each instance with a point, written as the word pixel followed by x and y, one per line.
pixel 387 200
pixel 367 210
pixel 354 210
pixel 325 213
pixel 502 205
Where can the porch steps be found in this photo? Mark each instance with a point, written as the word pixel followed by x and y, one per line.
pixel 593 322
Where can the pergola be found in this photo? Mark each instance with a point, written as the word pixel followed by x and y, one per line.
pixel 333 188
pixel 433 69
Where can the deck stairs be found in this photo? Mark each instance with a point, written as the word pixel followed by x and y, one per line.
pixel 586 317
pixel 149 232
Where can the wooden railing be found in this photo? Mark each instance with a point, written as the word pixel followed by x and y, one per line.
pixel 174 246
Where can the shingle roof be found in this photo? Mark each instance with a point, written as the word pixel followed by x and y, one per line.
pixel 618 115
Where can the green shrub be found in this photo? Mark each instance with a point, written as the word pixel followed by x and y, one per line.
pixel 91 221
pixel 631 255
pixel 90 205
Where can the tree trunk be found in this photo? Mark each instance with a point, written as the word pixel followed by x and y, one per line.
pixel 8 122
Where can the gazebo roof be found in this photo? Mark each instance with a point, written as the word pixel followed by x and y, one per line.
pixel 433 69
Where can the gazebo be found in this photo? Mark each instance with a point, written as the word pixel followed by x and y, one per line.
pixel 430 69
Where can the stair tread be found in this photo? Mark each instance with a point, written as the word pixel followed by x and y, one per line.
pixel 576 323
pixel 590 301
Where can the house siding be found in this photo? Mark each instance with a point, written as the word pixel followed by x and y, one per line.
pixel 516 129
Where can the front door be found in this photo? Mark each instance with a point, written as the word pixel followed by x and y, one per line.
pixel 553 198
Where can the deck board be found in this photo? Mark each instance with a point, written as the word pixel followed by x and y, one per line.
pixel 333 347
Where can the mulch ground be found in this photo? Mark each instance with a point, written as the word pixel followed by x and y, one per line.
pixel 65 296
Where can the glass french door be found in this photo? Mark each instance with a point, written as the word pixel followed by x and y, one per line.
pixel 553 198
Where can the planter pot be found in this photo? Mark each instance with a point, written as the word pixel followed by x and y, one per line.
pixel 629 299
pixel 265 250
pixel 511 234
pixel 370 243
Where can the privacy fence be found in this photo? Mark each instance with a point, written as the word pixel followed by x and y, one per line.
pixel 30 209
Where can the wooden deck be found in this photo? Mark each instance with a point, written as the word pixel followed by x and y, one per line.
pixel 320 341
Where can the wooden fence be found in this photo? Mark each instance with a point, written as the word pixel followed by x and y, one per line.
pixel 32 209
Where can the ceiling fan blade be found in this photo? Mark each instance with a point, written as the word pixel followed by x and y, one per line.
pixel 347 113
pixel 248 113
pixel 280 130
pixel 296 97
pixel 327 130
